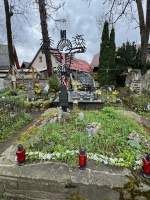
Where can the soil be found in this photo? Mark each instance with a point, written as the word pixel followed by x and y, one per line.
pixel 7 144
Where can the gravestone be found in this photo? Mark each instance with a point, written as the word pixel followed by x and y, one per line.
pixel 85 79
pixel 1 84
pixel 63 98
pixel 31 95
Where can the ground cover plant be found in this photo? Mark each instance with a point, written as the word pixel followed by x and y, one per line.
pixel 7 131
pixel 119 141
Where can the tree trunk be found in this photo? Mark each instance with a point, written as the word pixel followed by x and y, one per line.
pixel 9 39
pixel 144 28
pixel 46 41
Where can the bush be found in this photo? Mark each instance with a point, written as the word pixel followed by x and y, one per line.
pixel 54 83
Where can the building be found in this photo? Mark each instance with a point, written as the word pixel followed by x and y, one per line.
pixel 38 64
pixel 95 61
pixel 4 60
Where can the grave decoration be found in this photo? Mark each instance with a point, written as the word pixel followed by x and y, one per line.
pixel 146 166
pixel 60 113
pixel 148 106
pixel 75 105
pixel 89 131
pixel 63 98
pixel 68 49
pixel 82 159
pixel 20 155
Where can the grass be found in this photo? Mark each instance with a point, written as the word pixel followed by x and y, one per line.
pixel 6 132
pixel 119 140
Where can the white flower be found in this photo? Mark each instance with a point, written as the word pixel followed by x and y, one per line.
pixel 106 158
pixel 121 160
pixel 102 156
pixel 40 155
pixel 95 157
pixel 58 155
pixel 105 162
pixel 138 162
pixel 44 157
pixel 31 153
pixel 36 152
pixel 48 156
pixel 111 160
pixel 116 159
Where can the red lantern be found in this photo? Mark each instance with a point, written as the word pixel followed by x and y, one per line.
pixel 21 155
pixel 82 159
pixel 146 166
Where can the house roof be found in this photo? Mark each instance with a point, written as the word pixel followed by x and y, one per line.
pixel 95 61
pixel 4 58
pixel 82 65
pixel 25 64
pixel 77 64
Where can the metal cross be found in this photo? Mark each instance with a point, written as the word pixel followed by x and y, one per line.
pixel 107 76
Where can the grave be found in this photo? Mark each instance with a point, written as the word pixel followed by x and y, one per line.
pixel 84 101
pixel 63 98
pixel 85 79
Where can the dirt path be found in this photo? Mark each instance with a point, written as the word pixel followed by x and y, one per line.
pixel 8 143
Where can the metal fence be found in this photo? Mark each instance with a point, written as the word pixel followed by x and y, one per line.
pixel 11 109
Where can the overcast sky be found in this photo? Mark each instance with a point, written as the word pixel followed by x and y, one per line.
pixel 82 21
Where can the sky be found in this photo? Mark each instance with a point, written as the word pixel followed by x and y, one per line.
pixel 82 21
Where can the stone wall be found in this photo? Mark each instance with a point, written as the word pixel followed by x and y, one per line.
pixel 146 81
pixel 55 181
pixel 42 82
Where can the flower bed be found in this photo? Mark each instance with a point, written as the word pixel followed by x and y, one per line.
pixel 61 141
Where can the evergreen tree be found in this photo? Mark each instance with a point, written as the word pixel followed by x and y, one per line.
pixel 111 59
pixel 128 56
pixel 103 59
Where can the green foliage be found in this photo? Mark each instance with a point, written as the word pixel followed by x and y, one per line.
pixel 75 196
pixel 112 139
pixel 54 83
pixel 111 58
pixel 107 56
pixel 6 132
pixel 27 105
pixel 104 53
pixel 127 56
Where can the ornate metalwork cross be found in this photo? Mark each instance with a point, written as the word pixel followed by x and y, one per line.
pixel 65 50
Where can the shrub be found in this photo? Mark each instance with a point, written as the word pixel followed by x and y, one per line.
pixel 54 83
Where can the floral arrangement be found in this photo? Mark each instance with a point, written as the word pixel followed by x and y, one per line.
pixel 91 156
pixel 38 91
pixel 135 141
pixel 115 92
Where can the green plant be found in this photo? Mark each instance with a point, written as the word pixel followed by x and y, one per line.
pixel 54 83
pixel 62 141
pixel 75 196
pixel 27 104
pixel 7 131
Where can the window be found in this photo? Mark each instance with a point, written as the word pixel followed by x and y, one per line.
pixel 40 58
pixel 148 51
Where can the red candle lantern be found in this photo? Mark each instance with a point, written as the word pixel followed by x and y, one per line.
pixel 82 159
pixel 146 166
pixel 20 155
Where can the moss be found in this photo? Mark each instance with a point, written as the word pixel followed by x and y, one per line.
pixel 132 187
pixel 70 186
pixel 75 196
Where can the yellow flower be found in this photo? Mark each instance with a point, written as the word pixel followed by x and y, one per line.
pixel 115 92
